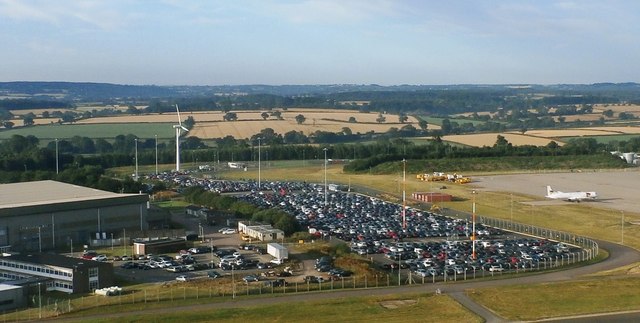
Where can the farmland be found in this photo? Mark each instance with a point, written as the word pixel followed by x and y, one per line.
pixel 488 139
pixel 212 125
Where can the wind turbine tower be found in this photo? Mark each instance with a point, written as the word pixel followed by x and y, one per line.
pixel 179 127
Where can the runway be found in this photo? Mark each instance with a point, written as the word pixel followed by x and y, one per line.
pixel 617 190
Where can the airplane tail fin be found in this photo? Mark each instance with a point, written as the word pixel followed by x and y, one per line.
pixel 549 190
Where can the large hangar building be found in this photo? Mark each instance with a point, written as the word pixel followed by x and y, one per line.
pixel 45 215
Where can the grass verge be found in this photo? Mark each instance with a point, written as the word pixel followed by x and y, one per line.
pixel 396 308
pixel 538 301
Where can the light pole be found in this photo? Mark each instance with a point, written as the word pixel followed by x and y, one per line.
pixel 57 162
pixel 325 175
pixel 39 303
pixel 156 136
pixel 259 170
pixel 39 239
pixel 404 201
pixel 473 220
pixel 112 242
pixel 136 141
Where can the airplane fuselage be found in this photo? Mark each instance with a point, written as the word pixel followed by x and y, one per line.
pixel 570 196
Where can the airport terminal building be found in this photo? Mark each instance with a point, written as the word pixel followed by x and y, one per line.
pixel 45 215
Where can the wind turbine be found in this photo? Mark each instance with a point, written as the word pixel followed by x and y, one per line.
pixel 179 127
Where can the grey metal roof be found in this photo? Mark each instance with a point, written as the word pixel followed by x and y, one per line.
pixel 54 260
pixel 17 195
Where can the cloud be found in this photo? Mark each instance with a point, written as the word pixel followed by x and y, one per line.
pixel 96 14
pixel 330 11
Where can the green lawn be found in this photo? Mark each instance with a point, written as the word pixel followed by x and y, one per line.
pixel 561 299
pixel 408 308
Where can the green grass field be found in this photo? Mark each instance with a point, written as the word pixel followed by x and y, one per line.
pixel 605 139
pixel 405 308
pixel 561 299
pixel 94 131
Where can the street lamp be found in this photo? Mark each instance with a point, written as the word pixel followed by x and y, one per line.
pixel 259 170
pixel 404 201
pixel 39 303
pixel 325 175
pixel 39 239
pixel 473 228
pixel 112 242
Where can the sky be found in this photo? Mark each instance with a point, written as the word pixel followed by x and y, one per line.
pixel 276 42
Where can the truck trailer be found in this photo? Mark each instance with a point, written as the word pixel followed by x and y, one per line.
pixel 278 251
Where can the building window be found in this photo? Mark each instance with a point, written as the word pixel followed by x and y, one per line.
pixel 93 284
pixel 93 272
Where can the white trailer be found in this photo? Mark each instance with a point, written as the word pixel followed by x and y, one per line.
pixel 278 251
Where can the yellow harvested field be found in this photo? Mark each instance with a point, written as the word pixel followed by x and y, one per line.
pixel 619 130
pixel 211 125
pixel 43 121
pixel 617 108
pixel 559 133
pixel 489 139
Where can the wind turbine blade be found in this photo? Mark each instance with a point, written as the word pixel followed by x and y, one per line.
pixel 179 119
pixel 183 128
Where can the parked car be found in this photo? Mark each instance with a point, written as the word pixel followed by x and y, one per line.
pixel 100 258
pixel 182 278
pixel 495 268
pixel 264 265
pixel 229 231
pixel 313 279
pixel 213 274
pixel 250 278
pixel 276 283
pixel 277 261
pixel 89 254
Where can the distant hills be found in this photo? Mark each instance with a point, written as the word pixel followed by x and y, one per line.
pixel 72 91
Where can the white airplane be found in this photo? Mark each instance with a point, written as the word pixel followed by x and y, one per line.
pixel 570 196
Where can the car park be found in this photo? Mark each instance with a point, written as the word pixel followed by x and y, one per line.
pixel 433 242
